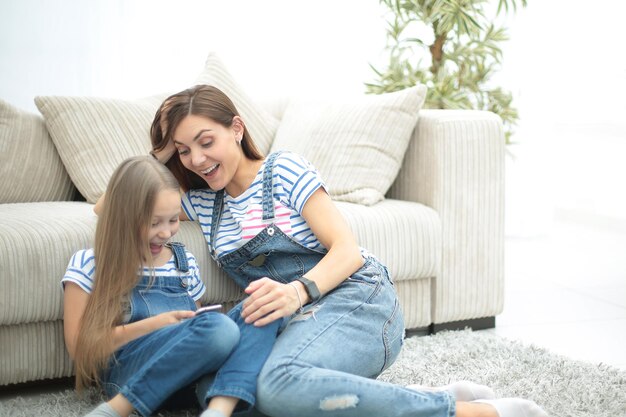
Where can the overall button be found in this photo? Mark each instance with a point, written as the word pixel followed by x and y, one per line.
pixel 270 231
pixel 183 282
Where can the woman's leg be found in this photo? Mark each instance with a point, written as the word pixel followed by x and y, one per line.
pixel 148 370
pixel 324 361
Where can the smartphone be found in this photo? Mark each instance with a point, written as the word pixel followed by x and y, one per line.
pixel 208 308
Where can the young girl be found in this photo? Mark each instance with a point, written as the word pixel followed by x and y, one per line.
pixel 271 225
pixel 129 307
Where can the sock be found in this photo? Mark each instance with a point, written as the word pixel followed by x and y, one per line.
pixel 103 410
pixel 462 390
pixel 515 407
pixel 212 413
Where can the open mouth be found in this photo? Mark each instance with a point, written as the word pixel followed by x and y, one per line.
pixel 210 172
pixel 155 249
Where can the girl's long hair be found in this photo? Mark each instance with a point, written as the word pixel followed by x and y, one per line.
pixel 201 100
pixel 121 248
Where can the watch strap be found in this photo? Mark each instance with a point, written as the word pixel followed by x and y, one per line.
pixel 311 288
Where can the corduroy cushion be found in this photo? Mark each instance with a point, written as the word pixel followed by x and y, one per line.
pixel 31 169
pixel 357 143
pixel 93 135
pixel 261 124
pixel 406 237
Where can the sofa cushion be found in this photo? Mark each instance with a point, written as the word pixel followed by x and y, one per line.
pixel 36 243
pixel 93 135
pixel 261 124
pixel 405 236
pixel 38 173
pixel 357 143
pixel 54 231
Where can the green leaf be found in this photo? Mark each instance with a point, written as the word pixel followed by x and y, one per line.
pixel 470 48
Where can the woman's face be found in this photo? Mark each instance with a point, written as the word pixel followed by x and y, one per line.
pixel 209 149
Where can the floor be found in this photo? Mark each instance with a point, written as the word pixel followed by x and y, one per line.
pixel 566 290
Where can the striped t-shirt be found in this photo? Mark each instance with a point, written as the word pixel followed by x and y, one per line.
pixel 294 180
pixel 81 267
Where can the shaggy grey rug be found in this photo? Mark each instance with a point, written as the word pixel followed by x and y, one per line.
pixel 563 387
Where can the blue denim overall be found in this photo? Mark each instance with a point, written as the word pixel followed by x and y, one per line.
pixel 151 368
pixel 326 357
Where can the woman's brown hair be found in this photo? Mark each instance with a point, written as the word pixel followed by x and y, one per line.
pixel 201 100
pixel 121 248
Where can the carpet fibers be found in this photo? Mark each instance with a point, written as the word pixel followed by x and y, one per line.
pixel 563 387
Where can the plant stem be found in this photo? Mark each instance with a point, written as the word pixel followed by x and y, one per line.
pixel 436 52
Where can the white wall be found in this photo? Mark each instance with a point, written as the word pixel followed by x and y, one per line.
pixel 131 48
pixel 565 65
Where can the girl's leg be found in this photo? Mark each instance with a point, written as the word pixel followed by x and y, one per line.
pixel 237 377
pixel 148 370
pixel 324 361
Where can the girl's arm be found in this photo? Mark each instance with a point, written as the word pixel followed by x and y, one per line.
pixel 342 260
pixel 128 332
pixel 74 305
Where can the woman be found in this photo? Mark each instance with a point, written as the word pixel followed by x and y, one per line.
pixel 271 225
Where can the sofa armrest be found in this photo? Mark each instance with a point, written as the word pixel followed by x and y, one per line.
pixel 455 165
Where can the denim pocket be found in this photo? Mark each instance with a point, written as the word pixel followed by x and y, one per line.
pixel 159 300
pixel 279 267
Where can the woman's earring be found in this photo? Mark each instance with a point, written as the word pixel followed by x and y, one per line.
pixel 239 141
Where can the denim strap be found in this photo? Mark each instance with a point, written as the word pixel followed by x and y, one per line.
pixel 268 186
pixel 218 208
pixel 180 257
pixel 267 202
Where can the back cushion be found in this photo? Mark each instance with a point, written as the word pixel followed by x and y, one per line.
pixel 31 169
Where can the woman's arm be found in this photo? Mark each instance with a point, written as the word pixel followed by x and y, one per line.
pixel 342 260
pixel 331 229
pixel 74 305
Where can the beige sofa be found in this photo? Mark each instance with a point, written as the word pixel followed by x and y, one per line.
pixel 439 228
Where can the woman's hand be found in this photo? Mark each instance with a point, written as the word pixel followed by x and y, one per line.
pixel 164 155
pixel 270 300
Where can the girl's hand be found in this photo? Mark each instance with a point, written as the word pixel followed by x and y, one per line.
pixel 174 317
pixel 125 333
pixel 270 300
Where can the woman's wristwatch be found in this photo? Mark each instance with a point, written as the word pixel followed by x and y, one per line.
pixel 311 288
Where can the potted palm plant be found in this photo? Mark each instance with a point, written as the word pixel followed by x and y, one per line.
pixel 452 47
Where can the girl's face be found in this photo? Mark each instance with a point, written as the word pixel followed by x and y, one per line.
pixel 164 223
pixel 209 149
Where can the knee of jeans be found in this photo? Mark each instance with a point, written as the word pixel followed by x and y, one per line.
pixel 217 332
pixel 275 388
